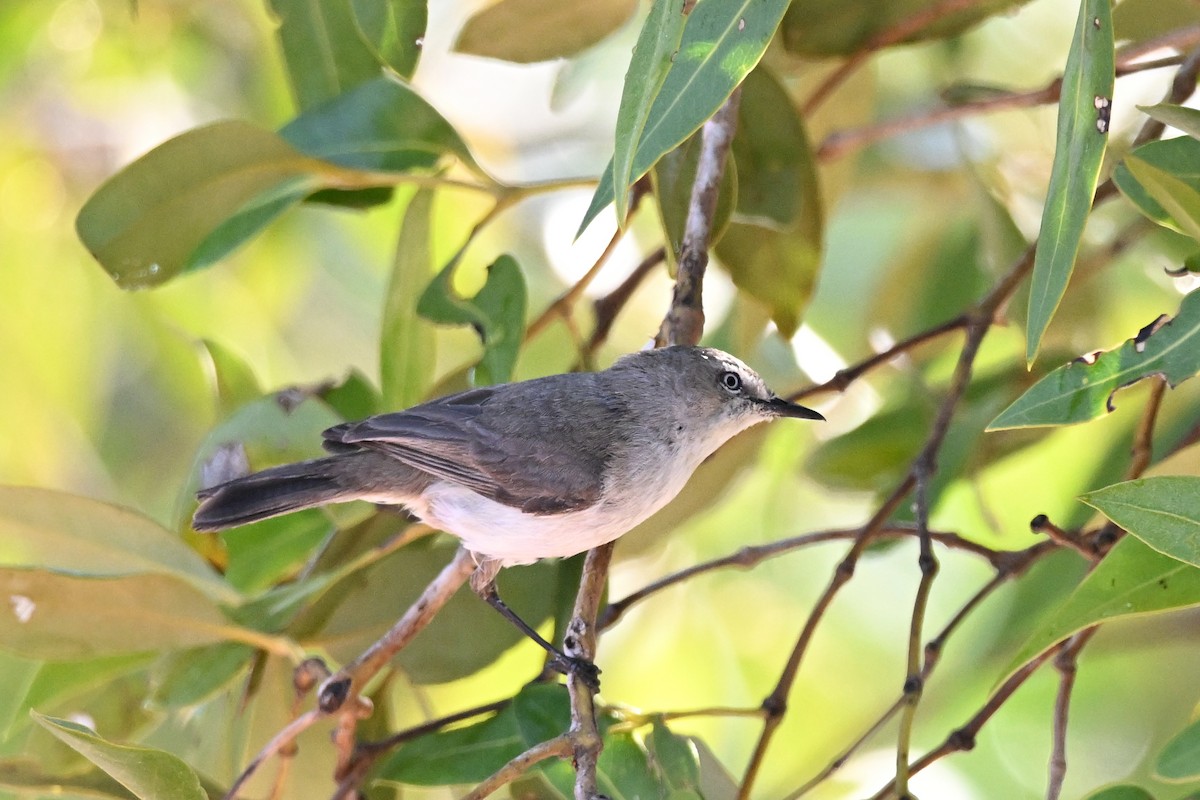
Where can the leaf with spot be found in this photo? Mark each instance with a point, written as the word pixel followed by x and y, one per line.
pixel 1132 580
pixel 1083 390
pixel 1086 98
pixel 56 617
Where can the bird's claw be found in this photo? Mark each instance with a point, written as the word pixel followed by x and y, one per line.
pixel 581 668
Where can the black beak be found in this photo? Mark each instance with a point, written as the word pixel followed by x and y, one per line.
pixel 783 408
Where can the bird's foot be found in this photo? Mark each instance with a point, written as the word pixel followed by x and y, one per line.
pixel 581 668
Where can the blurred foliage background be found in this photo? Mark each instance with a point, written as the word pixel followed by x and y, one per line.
pixel 112 394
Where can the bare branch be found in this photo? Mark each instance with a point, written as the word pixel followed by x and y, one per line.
pixel 282 740
pixel 580 642
pixel 1064 662
pixel 559 746
pixel 564 305
pixel 684 323
pixel 606 308
pixel 753 555
pixel 964 738
pixel 350 679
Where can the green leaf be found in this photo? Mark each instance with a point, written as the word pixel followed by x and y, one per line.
pixel 149 774
pixel 353 398
pixel 196 197
pixel 528 31
pixel 66 533
pixel 838 28
pixel 772 249
pixel 263 553
pixel 406 343
pixel 1179 760
pixel 1124 792
pixel 473 752
pixel 27 778
pixel 382 125
pixel 1178 157
pixel 1164 512
pixel 1083 389
pixel 330 47
pixel 1176 196
pixel 56 617
pixel 189 677
pixel 777 180
pixel 1078 153
pixel 623 770
pixel 876 454
pixel 234 380
pixel 1132 580
pixel 673 177
pixel 394 30
pixel 1182 117
pixel 721 43
pixel 674 759
pixel 497 313
pixel 652 54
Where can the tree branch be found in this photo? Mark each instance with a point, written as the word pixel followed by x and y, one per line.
pixel 684 323
pixel 750 556
pixel 580 642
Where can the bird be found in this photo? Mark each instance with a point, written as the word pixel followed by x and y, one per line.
pixel 541 468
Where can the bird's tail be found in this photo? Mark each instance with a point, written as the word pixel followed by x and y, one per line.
pixel 275 491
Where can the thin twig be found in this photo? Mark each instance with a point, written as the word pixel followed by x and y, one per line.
pixel 844 377
pixel 963 739
pixel 580 642
pixel 281 740
pixel 564 304
pixel 350 679
pixel 753 555
pixel 684 323
pixel 1069 539
pixel 559 746
pixel 979 321
pixel 897 33
pixel 606 308
pixel 840 143
pixel 775 704
pixel 367 753
pixel 1183 86
pixel 1011 565
pixel 1064 662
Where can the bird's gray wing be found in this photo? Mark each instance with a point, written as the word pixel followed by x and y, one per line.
pixel 519 444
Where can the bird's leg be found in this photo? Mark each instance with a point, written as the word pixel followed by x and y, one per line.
pixel 483 583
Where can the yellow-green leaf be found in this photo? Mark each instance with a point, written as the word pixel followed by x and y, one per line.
pixel 1083 110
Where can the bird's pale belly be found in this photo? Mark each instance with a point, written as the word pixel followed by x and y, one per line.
pixel 513 537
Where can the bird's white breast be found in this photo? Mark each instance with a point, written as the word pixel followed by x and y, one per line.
pixel 633 491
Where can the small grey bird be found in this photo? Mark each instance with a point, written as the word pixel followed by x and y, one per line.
pixel 523 471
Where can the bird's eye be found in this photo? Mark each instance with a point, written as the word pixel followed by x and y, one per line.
pixel 731 381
